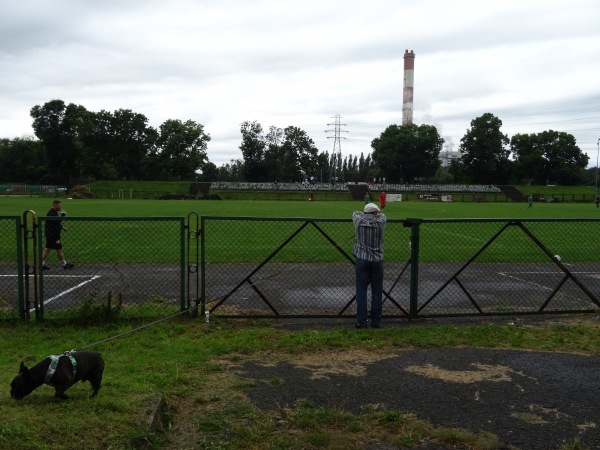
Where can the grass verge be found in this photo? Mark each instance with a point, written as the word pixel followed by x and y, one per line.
pixel 188 364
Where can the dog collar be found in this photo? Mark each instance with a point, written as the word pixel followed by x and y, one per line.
pixel 54 364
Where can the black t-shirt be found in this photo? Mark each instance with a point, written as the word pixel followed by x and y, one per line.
pixel 52 227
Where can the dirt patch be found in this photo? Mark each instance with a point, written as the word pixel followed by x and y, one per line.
pixel 321 365
pixel 530 400
pixel 479 373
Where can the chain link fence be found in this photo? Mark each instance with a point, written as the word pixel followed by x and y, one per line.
pixel 278 267
pixel 11 271
pixel 135 265
pixel 487 266
pixel 286 267
pixel 304 267
pixel 125 267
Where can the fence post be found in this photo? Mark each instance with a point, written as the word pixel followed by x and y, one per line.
pixel 29 218
pixel 193 256
pixel 22 265
pixel 182 265
pixel 202 267
pixel 39 301
pixel 415 225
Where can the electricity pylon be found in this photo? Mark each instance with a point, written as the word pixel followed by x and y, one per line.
pixel 336 174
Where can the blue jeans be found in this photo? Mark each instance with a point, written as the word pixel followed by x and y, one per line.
pixel 369 272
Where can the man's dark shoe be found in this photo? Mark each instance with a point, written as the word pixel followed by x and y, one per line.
pixel 45 268
pixel 361 325
pixel 68 266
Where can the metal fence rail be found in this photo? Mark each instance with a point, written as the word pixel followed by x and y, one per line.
pixel 304 267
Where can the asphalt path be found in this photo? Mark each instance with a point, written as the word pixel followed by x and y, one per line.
pixel 530 400
pixel 326 289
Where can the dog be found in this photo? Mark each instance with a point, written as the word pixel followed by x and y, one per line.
pixel 61 372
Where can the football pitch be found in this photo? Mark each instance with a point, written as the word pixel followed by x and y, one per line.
pixel 16 206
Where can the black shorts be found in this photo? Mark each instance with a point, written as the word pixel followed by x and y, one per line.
pixel 53 244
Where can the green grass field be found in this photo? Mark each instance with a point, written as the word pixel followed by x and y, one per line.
pixel 231 241
pixel 12 206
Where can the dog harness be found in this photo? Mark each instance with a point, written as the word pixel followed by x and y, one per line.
pixel 54 364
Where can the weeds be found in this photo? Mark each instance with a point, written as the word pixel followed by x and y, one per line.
pixel 96 311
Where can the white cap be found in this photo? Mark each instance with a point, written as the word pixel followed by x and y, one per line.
pixel 371 208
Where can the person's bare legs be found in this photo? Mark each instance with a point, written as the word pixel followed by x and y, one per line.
pixel 61 258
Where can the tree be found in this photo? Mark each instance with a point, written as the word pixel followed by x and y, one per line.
pixel 299 154
pixel 182 148
pixel 210 172
pixel 484 156
pixel 323 165
pixel 115 145
pixel 59 127
pixel 362 167
pixel 132 140
pixel 231 171
pixel 588 177
pixel 442 176
pixel 274 154
pixel 549 157
pixel 253 151
pixel 21 160
pixel 528 157
pixel 457 171
pixel 336 168
pixel 96 160
pixel 407 152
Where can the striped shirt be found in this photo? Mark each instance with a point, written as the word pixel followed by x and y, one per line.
pixel 368 239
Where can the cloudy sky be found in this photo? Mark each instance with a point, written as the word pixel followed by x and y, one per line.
pixel 535 64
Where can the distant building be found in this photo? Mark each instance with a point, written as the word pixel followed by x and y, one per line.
pixel 446 157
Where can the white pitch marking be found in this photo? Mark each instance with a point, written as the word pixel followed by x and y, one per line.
pixel 527 281
pixel 77 286
pixel 506 274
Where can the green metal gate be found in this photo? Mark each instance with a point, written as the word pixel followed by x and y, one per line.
pixel 130 267
pixel 11 268
pixel 283 267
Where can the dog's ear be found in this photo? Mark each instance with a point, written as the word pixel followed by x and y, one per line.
pixel 23 369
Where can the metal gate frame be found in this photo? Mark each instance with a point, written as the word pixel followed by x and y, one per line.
pixel 416 309
pixel 18 257
pixel 415 224
pixel 387 294
pixel 29 238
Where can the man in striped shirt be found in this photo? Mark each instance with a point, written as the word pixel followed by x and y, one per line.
pixel 368 249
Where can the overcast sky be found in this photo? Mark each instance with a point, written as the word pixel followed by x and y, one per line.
pixel 535 64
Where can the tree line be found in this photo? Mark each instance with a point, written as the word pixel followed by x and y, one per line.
pixel 73 145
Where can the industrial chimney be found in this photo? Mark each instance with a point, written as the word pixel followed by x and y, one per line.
pixel 409 79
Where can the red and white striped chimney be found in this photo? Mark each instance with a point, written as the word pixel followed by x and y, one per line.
pixel 409 79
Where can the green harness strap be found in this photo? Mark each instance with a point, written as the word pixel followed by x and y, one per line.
pixel 54 364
